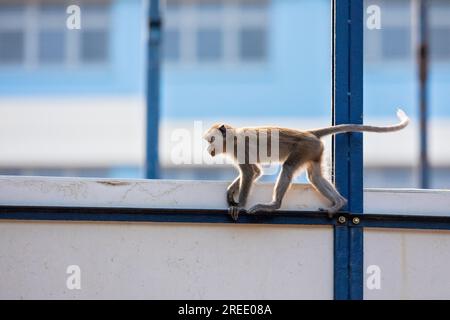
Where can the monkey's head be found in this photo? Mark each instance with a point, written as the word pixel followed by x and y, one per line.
pixel 217 137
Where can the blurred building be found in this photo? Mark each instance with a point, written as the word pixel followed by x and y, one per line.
pixel 72 101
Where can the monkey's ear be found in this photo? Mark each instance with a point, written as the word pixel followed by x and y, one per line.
pixel 223 130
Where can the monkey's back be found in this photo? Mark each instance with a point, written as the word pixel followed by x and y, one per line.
pixel 290 141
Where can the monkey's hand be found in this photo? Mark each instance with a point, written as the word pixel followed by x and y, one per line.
pixel 234 212
pixel 231 191
pixel 230 197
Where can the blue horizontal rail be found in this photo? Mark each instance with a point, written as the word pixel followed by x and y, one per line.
pixel 61 213
pixel 159 215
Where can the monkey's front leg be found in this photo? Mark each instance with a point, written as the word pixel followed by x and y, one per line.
pixel 231 191
pixel 248 175
pixel 244 189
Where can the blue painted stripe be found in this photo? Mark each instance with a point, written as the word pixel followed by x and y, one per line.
pixel 159 215
pixel 404 221
pixel 221 216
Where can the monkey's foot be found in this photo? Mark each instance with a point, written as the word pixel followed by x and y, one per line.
pixel 331 214
pixel 234 212
pixel 270 207
pixel 329 211
pixel 338 205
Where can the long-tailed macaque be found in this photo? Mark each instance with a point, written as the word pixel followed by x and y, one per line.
pixel 295 150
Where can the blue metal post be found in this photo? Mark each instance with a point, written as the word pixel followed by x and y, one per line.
pixel 422 60
pixel 153 77
pixel 348 153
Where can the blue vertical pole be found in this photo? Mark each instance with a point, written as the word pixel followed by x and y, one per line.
pixel 348 148
pixel 423 93
pixel 153 77
pixel 356 147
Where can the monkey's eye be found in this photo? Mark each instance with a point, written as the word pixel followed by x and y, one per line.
pixel 211 140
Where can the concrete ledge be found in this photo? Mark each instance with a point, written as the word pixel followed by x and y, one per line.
pixel 134 193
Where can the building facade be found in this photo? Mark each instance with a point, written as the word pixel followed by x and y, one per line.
pixel 72 101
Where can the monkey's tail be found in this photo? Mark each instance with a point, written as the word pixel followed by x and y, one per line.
pixel 404 120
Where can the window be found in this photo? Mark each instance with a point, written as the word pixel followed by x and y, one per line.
pixel 440 43
pixel 396 43
pixel 94 46
pixel 216 31
pixel 252 44
pixel 393 42
pixel 440 30
pixel 11 46
pixel 44 39
pixel 398 26
pixel 209 44
pixel 51 47
pixel 11 34
pixel 171 45
pixel 209 4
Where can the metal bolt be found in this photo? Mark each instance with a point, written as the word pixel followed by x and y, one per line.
pixel 342 219
pixel 356 220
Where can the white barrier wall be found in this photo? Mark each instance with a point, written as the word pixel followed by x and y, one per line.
pixel 413 263
pixel 204 261
pixel 158 260
pixel 166 261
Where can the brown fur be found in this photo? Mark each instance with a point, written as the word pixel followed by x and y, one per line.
pixel 296 149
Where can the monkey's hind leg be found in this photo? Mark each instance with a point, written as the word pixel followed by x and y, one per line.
pixel 290 166
pixel 324 187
